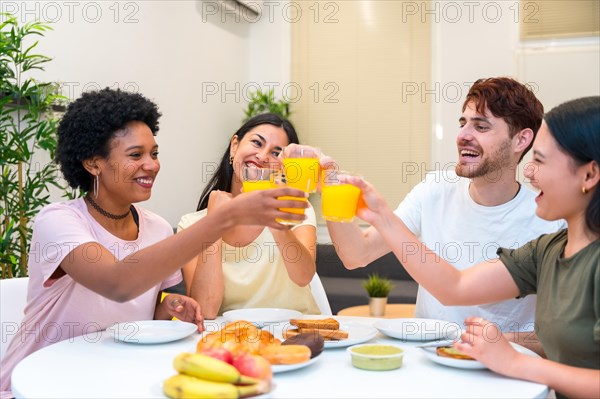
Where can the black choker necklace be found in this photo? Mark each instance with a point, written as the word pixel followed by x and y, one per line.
pixel 105 213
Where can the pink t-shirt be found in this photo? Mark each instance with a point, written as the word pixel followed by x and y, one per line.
pixel 60 309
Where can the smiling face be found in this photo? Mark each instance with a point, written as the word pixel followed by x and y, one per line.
pixel 259 148
pixel 484 144
pixel 558 178
pixel 128 173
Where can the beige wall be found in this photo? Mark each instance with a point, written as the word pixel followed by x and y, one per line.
pixel 195 60
pixel 170 50
pixel 483 41
pixel 353 61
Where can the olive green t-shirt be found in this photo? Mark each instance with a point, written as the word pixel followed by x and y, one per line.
pixel 568 296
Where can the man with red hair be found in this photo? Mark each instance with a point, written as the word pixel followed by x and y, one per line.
pixel 466 214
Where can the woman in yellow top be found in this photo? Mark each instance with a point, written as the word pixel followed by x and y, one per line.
pixel 252 266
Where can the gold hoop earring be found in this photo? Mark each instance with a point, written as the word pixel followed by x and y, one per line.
pixel 584 190
pixel 96 185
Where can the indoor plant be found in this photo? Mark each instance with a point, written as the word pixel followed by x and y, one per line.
pixel 28 126
pixel 265 102
pixel 378 288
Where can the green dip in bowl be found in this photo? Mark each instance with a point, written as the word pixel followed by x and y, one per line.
pixel 376 357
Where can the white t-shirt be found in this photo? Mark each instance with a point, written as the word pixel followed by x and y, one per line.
pixel 59 309
pixel 255 275
pixel 441 213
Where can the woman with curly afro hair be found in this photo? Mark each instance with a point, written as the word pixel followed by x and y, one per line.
pixel 100 260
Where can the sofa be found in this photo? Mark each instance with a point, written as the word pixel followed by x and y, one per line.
pixel 344 287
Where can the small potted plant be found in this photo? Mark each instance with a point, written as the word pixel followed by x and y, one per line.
pixel 378 288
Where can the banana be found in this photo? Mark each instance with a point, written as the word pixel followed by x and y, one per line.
pixel 186 386
pixel 209 368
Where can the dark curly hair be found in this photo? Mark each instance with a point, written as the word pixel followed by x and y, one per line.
pixel 510 100
pixel 91 122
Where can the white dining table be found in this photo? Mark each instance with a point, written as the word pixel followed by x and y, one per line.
pixel 98 366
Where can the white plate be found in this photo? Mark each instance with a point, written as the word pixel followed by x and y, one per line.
pixel 418 329
pixel 357 334
pixel 431 354
pixel 282 368
pixel 151 331
pixel 448 361
pixel 262 316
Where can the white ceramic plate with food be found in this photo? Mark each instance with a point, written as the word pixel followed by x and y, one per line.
pixel 152 331
pixel 418 329
pixel 282 368
pixel 357 334
pixel 262 316
pixel 431 354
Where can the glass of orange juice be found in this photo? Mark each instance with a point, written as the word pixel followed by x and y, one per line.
pixel 338 200
pixel 301 167
pixel 264 179
pixel 257 178
pixel 281 180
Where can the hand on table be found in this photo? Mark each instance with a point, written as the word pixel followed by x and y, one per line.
pixel 184 308
pixel 484 341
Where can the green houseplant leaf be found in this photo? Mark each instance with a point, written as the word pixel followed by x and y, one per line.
pixel 28 126
pixel 261 103
pixel 377 287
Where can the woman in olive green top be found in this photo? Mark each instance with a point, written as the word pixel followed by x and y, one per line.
pixel 563 269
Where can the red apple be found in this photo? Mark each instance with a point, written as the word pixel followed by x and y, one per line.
pixel 253 366
pixel 219 353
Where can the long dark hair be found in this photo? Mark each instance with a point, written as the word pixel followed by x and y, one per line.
pixel 575 125
pixel 221 180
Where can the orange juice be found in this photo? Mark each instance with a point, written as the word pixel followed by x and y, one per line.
pixel 297 211
pixel 257 185
pixel 302 173
pixel 338 202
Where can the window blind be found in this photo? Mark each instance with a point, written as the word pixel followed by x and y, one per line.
pixel 555 19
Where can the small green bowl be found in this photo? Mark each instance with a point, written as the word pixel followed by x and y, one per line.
pixel 376 357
